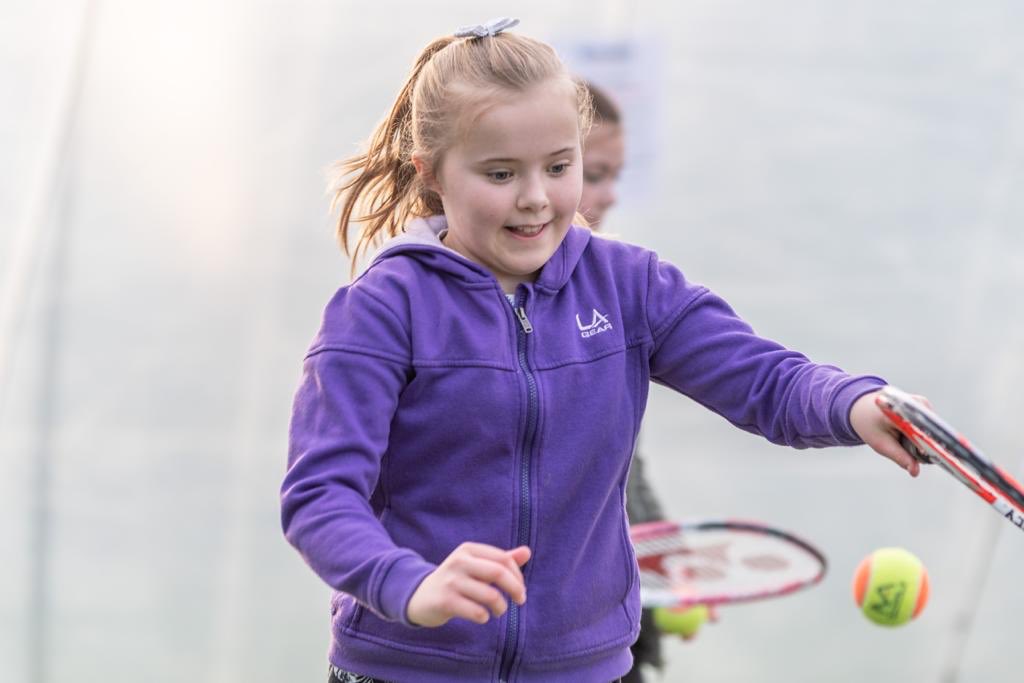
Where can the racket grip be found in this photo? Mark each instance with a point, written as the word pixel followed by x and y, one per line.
pixel 912 448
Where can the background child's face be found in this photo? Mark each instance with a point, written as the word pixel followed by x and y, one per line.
pixel 511 184
pixel 603 156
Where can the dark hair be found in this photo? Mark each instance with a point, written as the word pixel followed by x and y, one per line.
pixel 605 109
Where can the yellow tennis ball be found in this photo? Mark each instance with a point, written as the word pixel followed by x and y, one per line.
pixel 685 621
pixel 891 586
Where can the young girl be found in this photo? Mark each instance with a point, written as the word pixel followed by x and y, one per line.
pixel 463 430
pixel 604 153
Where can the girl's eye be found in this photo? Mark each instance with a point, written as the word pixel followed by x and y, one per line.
pixel 499 176
pixel 559 169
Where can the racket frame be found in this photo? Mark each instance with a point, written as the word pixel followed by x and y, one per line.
pixel 648 531
pixel 931 440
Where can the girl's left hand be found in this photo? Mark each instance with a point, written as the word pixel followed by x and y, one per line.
pixel 875 430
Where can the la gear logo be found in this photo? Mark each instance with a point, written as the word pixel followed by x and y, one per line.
pixel 598 324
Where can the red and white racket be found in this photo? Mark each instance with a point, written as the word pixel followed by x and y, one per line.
pixel 931 440
pixel 721 562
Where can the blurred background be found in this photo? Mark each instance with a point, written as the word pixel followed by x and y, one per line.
pixel 847 175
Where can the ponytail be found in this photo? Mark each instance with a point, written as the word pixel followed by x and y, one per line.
pixel 382 183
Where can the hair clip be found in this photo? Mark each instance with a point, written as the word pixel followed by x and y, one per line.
pixel 490 28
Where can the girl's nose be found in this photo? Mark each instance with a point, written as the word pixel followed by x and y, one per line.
pixel 533 195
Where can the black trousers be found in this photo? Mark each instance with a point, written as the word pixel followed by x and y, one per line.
pixel 646 650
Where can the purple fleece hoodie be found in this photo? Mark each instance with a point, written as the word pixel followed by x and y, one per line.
pixel 431 412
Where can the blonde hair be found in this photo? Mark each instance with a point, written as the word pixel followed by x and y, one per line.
pixel 450 77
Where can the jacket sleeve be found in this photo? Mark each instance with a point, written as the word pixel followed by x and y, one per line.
pixel 352 379
pixel 704 350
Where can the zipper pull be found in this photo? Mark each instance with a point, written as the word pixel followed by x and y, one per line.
pixel 524 322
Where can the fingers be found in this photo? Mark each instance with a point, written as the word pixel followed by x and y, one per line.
pixel 498 566
pixel 924 400
pixel 520 555
pixel 874 429
pixel 514 558
pixel 472 583
pixel 888 445
pixel 497 573
pixel 468 609
pixel 483 594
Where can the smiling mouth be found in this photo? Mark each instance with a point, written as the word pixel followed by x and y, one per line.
pixel 526 230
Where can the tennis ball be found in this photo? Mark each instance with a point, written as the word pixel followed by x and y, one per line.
pixel 684 621
pixel 891 586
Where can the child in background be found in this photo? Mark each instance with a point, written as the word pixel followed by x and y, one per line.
pixel 603 158
pixel 464 425
pixel 604 153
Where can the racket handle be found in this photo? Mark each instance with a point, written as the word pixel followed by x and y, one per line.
pixel 910 447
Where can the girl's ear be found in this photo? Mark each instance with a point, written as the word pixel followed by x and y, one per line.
pixel 426 173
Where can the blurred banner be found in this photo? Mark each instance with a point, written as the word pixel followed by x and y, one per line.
pixel 632 72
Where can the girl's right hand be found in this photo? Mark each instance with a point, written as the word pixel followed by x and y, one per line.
pixel 467 585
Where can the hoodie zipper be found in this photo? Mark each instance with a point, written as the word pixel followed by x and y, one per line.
pixel 523 533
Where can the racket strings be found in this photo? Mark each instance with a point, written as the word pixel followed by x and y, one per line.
pixel 723 564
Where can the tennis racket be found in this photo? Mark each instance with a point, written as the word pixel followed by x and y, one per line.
pixel 721 562
pixel 931 440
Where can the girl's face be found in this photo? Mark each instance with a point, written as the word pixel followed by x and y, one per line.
pixel 603 156
pixel 511 183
